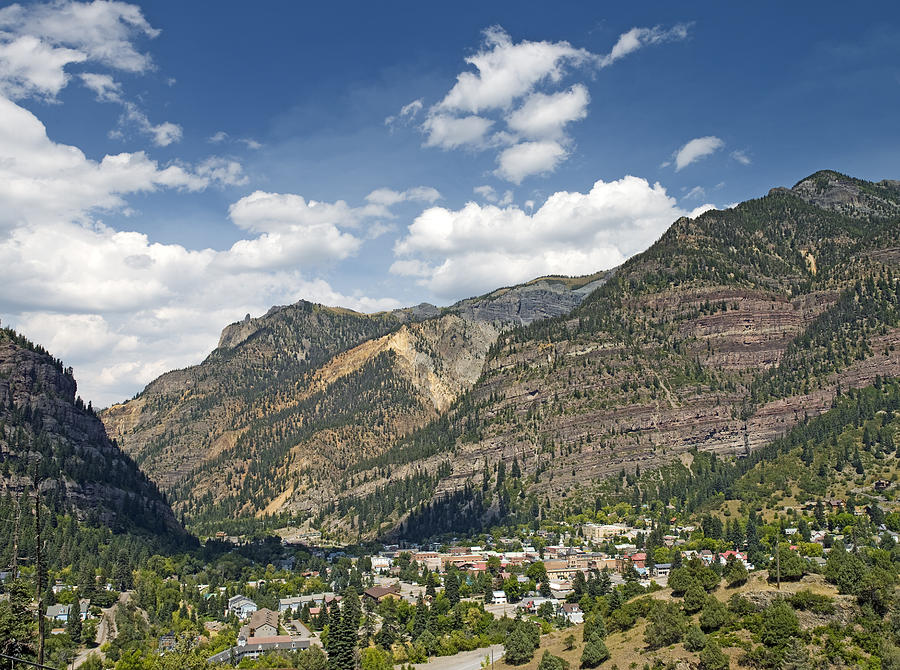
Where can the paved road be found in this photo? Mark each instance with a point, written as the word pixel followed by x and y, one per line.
pixel 464 660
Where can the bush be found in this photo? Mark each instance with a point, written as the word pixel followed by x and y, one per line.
pixel 808 601
pixel 714 615
pixel 694 639
pixel 551 662
pixel 779 625
pixel 694 598
pixel 713 658
pixel 667 625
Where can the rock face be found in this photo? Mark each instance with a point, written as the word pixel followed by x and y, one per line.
pixel 542 298
pixel 45 430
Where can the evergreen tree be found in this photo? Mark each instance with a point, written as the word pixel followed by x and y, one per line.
pixel 595 652
pixel 451 588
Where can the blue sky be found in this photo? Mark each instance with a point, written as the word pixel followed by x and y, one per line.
pixel 158 162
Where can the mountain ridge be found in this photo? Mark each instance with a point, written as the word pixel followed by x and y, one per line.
pixel 679 347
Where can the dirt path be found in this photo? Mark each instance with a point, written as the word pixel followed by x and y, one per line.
pixel 106 630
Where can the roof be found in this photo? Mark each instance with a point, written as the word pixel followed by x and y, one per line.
pixel 262 618
pixel 379 592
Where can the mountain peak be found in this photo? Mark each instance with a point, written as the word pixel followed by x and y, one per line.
pixel 832 190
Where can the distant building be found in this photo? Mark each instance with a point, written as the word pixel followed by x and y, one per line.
pixel 382 593
pixel 499 597
pixel 262 623
pixel 241 606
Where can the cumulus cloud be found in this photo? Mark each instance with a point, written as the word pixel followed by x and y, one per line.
pixel 451 132
pixel 38 41
pixel 529 158
pixel 546 115
pixel 467 251
pixel 506 71
pixel 518 84
pixel 695 150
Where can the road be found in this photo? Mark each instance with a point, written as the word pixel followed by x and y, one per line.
pixel 464 660
pixel 106 630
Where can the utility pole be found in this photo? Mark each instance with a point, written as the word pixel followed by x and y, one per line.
pixel 15 556
pixel 778 564
pixel 39 567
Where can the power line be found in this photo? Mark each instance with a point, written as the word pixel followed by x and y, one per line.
pixel 26 662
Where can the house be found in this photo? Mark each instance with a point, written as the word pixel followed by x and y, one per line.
pixel 297 603
pixel 382 593
pixel 263 623
pixel 882 485
pixel 725 556
pixel 241 606
pixel 61 612
pixel 662 569
pixel 58 613
pixel 499 598
pixel 573 613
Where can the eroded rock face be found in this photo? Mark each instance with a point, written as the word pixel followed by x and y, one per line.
pixel 88 474
pixel 853 197
pixel 523 305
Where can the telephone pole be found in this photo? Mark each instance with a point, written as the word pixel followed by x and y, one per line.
pixel 39 568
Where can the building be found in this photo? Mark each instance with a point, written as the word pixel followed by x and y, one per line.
pixel 297 603
pixel 573 613
pixel 255 647
pixel 58 613
pixel 263 623
pixel 241 606
pixel 499 598
pixel 382 593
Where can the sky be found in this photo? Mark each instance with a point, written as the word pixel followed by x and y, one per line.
pixel 167 168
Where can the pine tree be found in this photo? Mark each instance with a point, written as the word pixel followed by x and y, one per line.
pixel 595 652
pixel 451 588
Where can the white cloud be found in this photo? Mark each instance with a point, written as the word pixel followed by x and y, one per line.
pixel 695 150
pixel 42 181
pixel 104 86
pixel 507 71
pixel 509 83
pixel 545 116
pixel 218 137
pixel 529 158
pixel 637 38
pixel 103 31
pixel 741 157
pixel 696 193
pixel 450 132
pixel 487 192
pixel 467 251
pixel 407 113
pixel 30 67
pixel 222 171
pixel 162 134
pixel 388 197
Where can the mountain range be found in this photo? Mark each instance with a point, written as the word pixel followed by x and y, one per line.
pixel 732 328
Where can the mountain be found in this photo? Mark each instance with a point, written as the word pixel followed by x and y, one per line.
pixel 286 402
pixel 720 337
pixel 49 436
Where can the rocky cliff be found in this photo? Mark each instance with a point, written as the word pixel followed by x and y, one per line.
pixel 47 433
